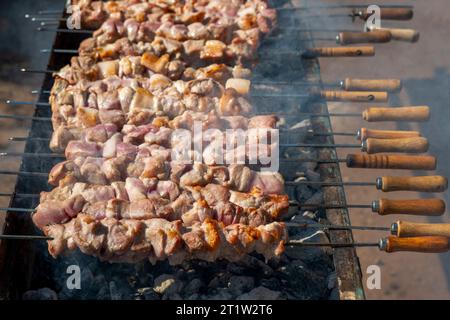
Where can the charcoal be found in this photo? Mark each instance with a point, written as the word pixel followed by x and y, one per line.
pixel 149 294
pixel 114 291
pixel 193 287
pixel 220 294
pixel 241 284
pixel 332 280
pixel 304 283
pixel 334 294
pixel 194 296
pixel 173 296
pixel 256 265
pixel 271 283
pixel 40 294
pixel 103 294
pixel 260 293
pixel 219 281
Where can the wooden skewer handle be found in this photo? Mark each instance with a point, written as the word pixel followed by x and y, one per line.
pixel 391 14
pixel 410 229
pixel 377 36
pixel 355 96
pixel 365 133
pixel 420 184
pixel 432 244
pixel 389 85
pixel 405 145
pixel 383 161
pixel 327 52
pixel 419 113
pixel 418 207
pixel 407 35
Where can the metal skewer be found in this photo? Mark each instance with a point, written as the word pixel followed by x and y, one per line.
pixel 348 84
pixel 20 195
pixel 67 51
pixel 37 70
pixel 418 207
pixel 80 31
pixel 360 134
pixel 369 145
pixel 28 154
pixel 385 184
pixel 27 103
pixel 425 244
pixel 342 6
pixel 23 237
pixel 363 161
pixel 423 207
pixel 19 117
pixel 27 210
pixel 24 173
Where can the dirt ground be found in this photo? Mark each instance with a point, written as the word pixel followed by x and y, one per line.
pixel 424 68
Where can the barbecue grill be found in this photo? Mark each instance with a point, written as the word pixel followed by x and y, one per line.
pixel 308 154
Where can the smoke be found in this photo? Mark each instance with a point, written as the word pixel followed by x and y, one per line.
pixel 19 40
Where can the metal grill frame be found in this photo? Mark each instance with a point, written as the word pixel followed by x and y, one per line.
pixel 19 260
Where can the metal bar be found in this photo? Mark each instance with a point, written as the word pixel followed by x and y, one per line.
pixel 325 134
pixel 26 103
pixel 23 173
pixel 287 183
pixel 319 145
pixel 330 206
pixel 343 6
pixel 329 184
pixel 82 31
pixel 24 139
pixel 330 244
pixel 39 19
pixel 27 154
pixel 48 23
pixel 21 195
pixel 37 70
pixel 40 91
pixel 41 12
pixel 311 114
pixel 336 227
pixel 27 210
pixel 314 114
pixel 68 51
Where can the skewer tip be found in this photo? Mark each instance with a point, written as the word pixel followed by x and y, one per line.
pixel 45 50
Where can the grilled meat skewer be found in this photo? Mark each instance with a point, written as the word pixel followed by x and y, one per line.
pixel 105 171
pixel 123 102
pixel 130 240
pixel 244 13
pixel 158 199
